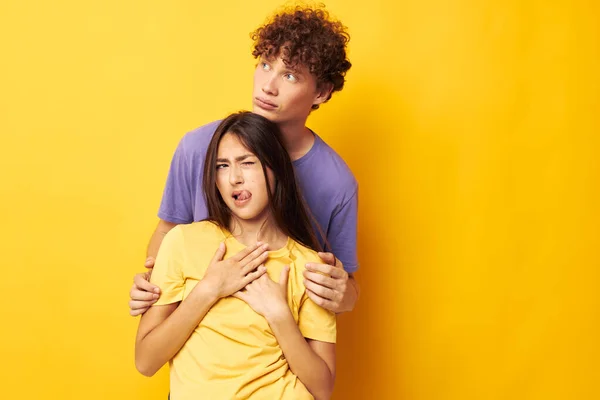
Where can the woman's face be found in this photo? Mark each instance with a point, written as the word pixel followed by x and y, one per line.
pixel 241 181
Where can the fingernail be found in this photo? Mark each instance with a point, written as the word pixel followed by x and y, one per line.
pixel 309 266
pixel 155 296
pixel 156 290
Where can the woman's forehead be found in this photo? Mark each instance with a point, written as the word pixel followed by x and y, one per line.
pixel 231 146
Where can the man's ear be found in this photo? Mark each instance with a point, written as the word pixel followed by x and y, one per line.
pixel 323 93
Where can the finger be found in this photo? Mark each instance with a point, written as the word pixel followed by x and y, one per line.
pixel 141 282
pixel 135 313
pixel 239 256
pixel 260 271
pixel 334 272
pixel 329 258
pixel 240 295
pixel 140 295
pixel 283 277
pixel 140 305
pixel 320 279
pixel 252 265
pixel 219 254
pixel 256 253
pixel 326 304
pixel 322 291
pixel 149 263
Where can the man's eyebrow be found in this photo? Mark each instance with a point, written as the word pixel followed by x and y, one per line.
pixel 240 158
pixel 293 68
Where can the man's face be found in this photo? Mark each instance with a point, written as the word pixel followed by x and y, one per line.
pixel 284 94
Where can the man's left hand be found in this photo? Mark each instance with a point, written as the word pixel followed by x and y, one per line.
pixel 329 286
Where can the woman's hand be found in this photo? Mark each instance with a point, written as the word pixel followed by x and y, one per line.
pixel 266 297
pixel 225 277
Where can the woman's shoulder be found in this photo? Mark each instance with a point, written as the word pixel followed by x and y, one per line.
pixel 202 230
pixel 304 254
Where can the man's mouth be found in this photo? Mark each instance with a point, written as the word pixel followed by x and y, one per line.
pixel 265 104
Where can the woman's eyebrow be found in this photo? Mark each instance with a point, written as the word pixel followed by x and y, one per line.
pixel 239 158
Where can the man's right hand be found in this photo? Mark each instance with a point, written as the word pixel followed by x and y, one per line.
pixel 143 294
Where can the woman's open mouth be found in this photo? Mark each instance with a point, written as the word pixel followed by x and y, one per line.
pixel 241 197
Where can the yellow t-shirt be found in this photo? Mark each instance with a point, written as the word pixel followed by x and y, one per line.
pixel 233 353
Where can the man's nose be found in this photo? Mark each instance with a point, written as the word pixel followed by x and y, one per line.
pixel 270 86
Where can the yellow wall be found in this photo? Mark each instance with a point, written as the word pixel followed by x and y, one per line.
pixel 472 127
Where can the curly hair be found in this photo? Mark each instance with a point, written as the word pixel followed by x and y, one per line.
pixel 309 37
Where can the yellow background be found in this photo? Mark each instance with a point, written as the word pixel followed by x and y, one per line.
pixel 472 127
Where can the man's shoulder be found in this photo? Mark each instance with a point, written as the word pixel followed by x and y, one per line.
pixel 331 167
pixel 198 139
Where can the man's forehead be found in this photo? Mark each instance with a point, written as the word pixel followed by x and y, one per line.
pixel 291 64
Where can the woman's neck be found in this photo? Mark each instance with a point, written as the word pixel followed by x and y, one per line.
pixel 264 230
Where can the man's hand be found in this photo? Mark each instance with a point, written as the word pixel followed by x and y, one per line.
pixel 143 294
pixel 329 286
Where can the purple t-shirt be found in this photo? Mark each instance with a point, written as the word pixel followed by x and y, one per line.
pixel 326 182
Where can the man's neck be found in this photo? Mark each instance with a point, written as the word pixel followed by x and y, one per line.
pixel 296 138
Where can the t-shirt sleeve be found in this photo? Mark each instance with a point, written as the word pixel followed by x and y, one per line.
pixel 342 233
pixel 167 273
pixel 176 205
pixel 315 322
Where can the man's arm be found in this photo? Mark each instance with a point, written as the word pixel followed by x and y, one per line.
pixel 332 284
pixel 156 239
pixel 143 294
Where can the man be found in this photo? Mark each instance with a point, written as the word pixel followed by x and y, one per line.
pixel 301 61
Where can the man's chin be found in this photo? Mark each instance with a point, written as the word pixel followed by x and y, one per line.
pixel 264 113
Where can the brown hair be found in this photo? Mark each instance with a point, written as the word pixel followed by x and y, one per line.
pixel 261 137
pixel 307 36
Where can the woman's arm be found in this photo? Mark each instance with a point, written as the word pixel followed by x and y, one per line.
pixel 163 330
pixel 312 361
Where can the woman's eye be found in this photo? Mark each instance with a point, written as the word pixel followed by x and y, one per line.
pixel 248 163
pixel 221 166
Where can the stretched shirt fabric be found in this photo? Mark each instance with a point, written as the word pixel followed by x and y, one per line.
pixel 233 353
pixel 327 185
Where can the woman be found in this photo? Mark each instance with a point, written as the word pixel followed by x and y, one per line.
pixel 240 326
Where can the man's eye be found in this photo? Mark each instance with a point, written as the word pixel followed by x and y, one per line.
pixel 265 66
pixel 221 166
pixel 248 163
pixel 291 78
